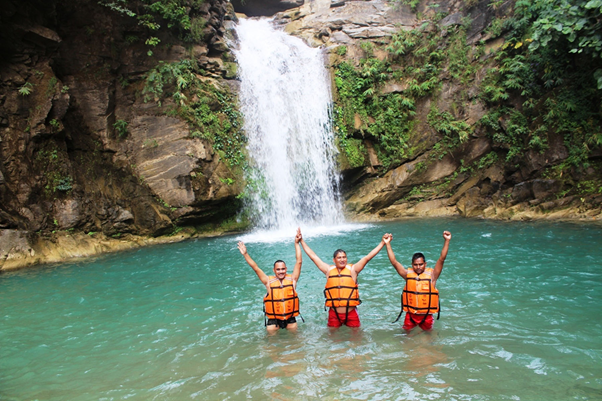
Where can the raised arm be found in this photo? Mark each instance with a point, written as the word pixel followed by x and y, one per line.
pixel 439 266
pixel 314 258
pixel 359 266
pixel 243 250
pixel 298 256
pixel 400 269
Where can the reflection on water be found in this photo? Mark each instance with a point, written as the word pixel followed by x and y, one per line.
pixel 184 321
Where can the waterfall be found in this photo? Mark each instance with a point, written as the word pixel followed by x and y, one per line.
pixel 286 102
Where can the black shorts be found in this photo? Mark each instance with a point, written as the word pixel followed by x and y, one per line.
pixel 281 323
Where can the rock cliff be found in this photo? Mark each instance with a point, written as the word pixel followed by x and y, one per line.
pixel 93 136
pixel 118 126
pixel 421 133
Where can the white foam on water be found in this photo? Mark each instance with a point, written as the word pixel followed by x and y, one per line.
pixel 285 235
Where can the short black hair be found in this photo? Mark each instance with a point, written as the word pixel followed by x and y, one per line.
pixel 334 255
pixel 418 255
pixel 279 261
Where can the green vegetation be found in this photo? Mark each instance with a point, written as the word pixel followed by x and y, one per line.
pixel 55 170
pixel 412 3
pixel 51 88
pixel 26 89
pixel 210 112
pixel 54 124
pixel 569 26
pixel 541 87
pixel 419 57
pixel 121 128
pixel 385 118
pixel 445 123
pixel 553 77
pixel 180 16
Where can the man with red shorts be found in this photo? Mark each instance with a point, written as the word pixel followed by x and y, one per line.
pixel 420 297
pixel 341 291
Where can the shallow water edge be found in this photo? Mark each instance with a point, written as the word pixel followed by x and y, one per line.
pixel 20 249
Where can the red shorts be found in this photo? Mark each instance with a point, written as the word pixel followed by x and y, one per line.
pixel 413 320
pixel 353 319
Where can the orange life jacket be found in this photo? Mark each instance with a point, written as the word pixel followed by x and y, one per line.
pixel 341 289
pixel 281 302
pixel 419 295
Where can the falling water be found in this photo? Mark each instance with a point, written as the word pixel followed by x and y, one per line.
pixel 285 98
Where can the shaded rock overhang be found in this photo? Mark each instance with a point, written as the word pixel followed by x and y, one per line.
pixel 264 8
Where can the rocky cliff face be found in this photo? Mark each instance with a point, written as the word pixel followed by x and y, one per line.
pixel 91 141
pixel 415 115
pixel 113 132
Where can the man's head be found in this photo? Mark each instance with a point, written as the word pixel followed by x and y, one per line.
pixel 418 263
pixel 279 269
pixel 339 258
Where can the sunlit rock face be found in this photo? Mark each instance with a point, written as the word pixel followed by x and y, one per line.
pixel 264 8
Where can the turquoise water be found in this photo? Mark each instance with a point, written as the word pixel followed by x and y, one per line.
pixel 520 321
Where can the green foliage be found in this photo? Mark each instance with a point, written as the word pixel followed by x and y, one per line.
pixel 487 161
pixel 496 27
pixel 54 170
pixel 64 184
pixel 552 48
pixel 119 6
pixel 152 41
pixel 403 42
pixel 412 3
pixel 54 124
pixel 121 128
pixel 227 181
pixel 51 88
pixel 575 22
pixel 445 123
pixel 459 66
pixel 197 26
pixel 495 4
pixel 181 16
pixel 341 50
pixel 559 96
pixel 589 187
pixel 386 117
pixel 210 112
pixel 26 89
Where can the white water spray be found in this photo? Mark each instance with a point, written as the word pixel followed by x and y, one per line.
pixel 286 101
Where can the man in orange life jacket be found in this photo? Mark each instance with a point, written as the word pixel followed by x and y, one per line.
pixel 281 303
pixel 341 292
pixel 420 297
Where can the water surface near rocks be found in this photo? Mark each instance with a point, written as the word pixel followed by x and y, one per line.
pixel 183 321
